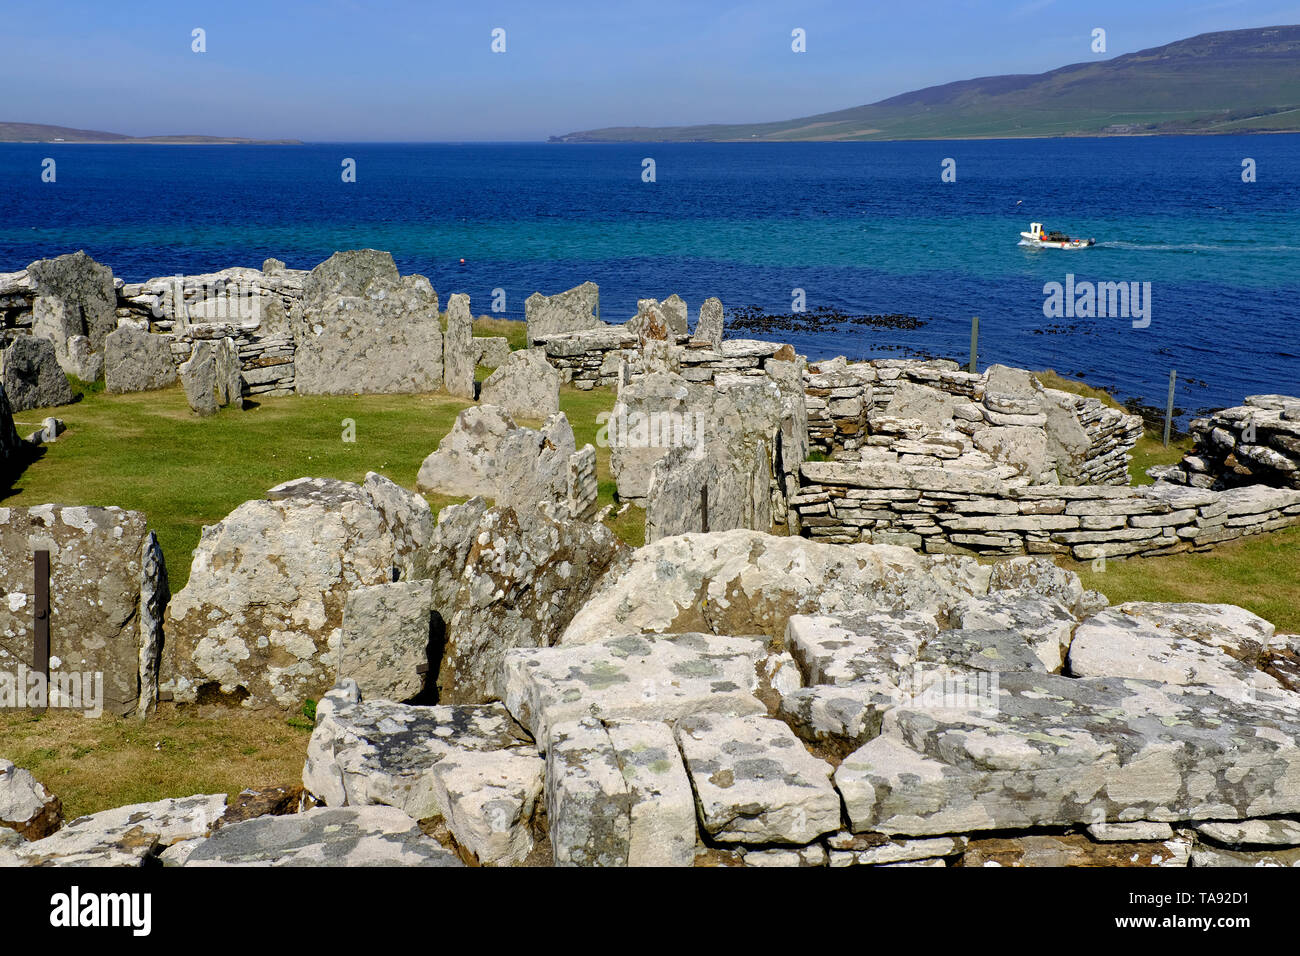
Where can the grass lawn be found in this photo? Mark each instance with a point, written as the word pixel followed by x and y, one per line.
pixel 97 764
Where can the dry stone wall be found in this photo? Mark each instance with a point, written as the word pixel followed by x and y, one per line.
pixel 1257 442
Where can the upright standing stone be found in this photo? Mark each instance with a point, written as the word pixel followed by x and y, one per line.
pixel 82 362
pixel 199 378
pixel 229 380
pixel 460 354
pixel 674 310
pixel 525 386
pixel 571 311
pixel 709 327
pixel 74 296
pixel 32 375
pixel 136 360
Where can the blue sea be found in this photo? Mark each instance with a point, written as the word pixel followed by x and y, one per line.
pixel 861 228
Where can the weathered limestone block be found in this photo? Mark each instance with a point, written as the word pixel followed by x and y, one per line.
pixel 486 453
pixel 571 311
pixel 525 575
pixel 662 804
pixel 632 678
pixel 1138 831
pixel 386 636
pixel 1239 834
pixel 492 350
pixel 524 386
pixel 653 414
pixel 199 378
pixel 259 623
pixel 135 360
pixel 26 806
pixel 105 574
pixel 1059 751
pixel 876 849
pixel 81 361
pixel 755 782
pixel 31 375
pixel 469 765
pixel 324 836
pixel 363 328
pixel 682 484
pixel 674 310
pixel 744 582
pixel 588 805
pixel 1042 624
pixel 1115 644
pixel 459 352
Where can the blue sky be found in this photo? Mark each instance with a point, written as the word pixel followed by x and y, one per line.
pixel 424 70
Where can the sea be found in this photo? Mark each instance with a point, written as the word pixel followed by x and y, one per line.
pixel 882 250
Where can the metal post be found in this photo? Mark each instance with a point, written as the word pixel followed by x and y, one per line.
pixel 974 342
pixel 704 507
pixel 41 640
pixel 1169 406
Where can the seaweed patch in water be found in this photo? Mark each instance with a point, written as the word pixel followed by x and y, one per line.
pixel 753 318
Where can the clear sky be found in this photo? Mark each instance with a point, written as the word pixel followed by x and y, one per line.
pixel 424 70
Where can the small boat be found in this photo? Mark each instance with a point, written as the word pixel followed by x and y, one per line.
pixel 1038 239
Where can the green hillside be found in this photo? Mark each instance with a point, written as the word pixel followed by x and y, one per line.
pixel 1238 81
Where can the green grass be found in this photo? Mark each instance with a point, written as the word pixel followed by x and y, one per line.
pixel 1260 573
pixel 96 764
pixel 148 452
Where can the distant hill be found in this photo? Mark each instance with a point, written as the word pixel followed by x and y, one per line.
pixel 1240 81
pixel 41 133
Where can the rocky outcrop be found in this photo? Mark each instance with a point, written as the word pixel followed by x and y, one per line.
pixel 363 328
pixel 260 621
pixel 105 574
pixel 487 453
pixel 524 386
pixel 137 361
pixel 571 311
pixel 32 376
pixel 130 836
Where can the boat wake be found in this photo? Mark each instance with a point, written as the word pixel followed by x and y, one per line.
pixel 1191 247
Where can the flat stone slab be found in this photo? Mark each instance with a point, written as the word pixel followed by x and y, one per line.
pixel 1115 644
pixel 1058 751
pixel 1074 850
pixel 468 764
pixel 663 829
pixel 1044 624
pixel 1243 833
pixel 1138 830
pixel 1237 631
pixel 632 678
pixel 123 836
pixel 859 647
pixel 588 807
pixel 755 782
pixel 876 849
pixel 983 650
pixel 324 836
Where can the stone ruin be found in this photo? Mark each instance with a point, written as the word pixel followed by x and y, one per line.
pixel 1254 443
pixel 351 325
